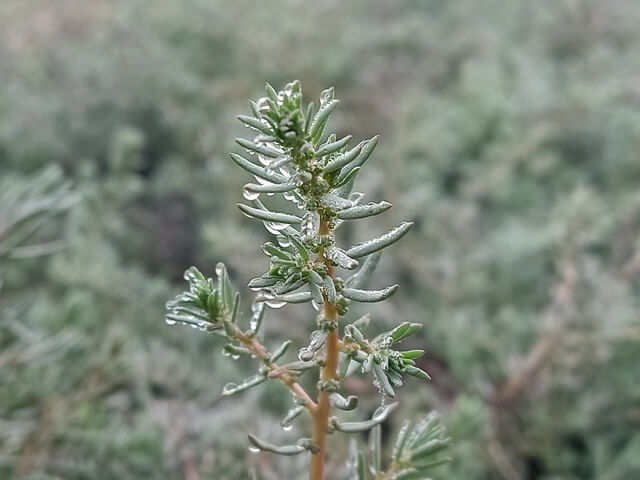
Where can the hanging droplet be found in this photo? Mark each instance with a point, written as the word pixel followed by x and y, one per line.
pixel 275 304
pixel 254 450
pixel 270 229
pixel 169 321
pixel 283 241
pixel 286 428
pixel 229 388
pixel 278 226
pixel 263 104
pixel 249 194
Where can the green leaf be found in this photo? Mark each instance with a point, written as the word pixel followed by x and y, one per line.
pixel 300 297
pixel 339 258
pixel 255 124
pixel 236 306
pixel 316 293
pixel 332 147
pixel 362 276
pixel 405 329
pixel 369 296
pixel 271 92
pixel 287 450
pixel 403 434
pixel 364 210
pixel 261 149
pixel 382 379
pixel 367 149
pixel 291 415
pixel 344 185
pixel 378 243
pixel 379 416
pixel 231 388
pixel 272 251
pixel 299 246
pixel 224 286
pixel 341 160
pixel 375 446
pixel 262 282
pixel 330 289
pixel 320 118
pixel 280 351
pixel 356 462
pixel 237 350
pixel 411 354
pixel 417 372
pixel 342 403
pixel 271 188
pixel 257 170
pixel 269 216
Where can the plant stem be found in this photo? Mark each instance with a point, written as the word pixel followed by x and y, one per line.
pixel 323 410
pixel 260 352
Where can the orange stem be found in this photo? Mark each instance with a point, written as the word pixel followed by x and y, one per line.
pixel 261 352
pixel 323 410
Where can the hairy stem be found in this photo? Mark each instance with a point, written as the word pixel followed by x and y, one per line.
pixel 261 352
pixel 323 410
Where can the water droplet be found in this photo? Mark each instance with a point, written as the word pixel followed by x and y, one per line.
pixel 286 428
pixel 278 226
pixel 249 194
pixel 284 171
pixel 270 229
pixel 169 321
pixel 289 196
pixel 275 304
pixel 262 181
pixel 283 241
pixel 226 353
pixel 254 450
pixel 315 306
pixel 235 357
pixel 229 388
pixel 264 160
pixel 263 104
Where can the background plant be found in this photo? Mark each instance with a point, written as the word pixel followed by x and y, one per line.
pixel 316 173
pixel 509 136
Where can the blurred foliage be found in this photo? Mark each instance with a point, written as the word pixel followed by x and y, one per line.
pixel 511 132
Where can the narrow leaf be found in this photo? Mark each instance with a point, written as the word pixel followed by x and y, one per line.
pixel 369 296
pixel 273 188
pixel 364 211
pixel 378 243
pixel 300 297
pixel 287 450
pixel 255 124
pixel 343 159
pixel 339 257
pixel 417 372
pixel 362 276
pixel 257 170
pixel 334 146
pixel 343 403
pixel 261 149
pixel 269 216
pixel 403 433
pixel 231 388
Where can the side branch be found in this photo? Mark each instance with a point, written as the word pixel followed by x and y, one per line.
pixel 261 353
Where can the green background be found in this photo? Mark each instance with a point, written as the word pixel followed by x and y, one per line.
pixel 510 134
